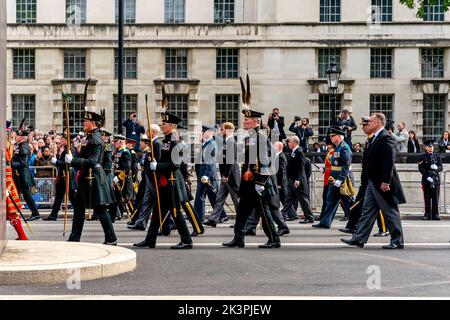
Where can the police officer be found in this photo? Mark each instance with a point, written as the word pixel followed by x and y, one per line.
pixel 258 189
pixel 171 186
pixel 122 180
pixel 21 171
pixel 430 164
pixel 340 162
pixel 94 191
pixel 60 188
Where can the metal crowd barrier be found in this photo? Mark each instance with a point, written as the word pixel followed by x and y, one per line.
pixel 44 190
pixel 411 184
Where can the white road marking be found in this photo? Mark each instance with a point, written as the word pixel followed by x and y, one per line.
pixel 304 244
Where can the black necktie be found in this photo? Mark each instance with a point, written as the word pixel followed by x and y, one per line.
pixel 369 142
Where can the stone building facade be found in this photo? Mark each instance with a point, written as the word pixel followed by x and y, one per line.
pixel 390 60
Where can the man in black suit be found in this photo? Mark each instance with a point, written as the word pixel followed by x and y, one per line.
pixel 298 188
pixel 281 172
pixel 384 191
pixel 276 125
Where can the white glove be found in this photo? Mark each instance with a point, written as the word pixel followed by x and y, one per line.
pixel 54 160
pixel 430 179
pixel 139 166
pixel 153 165
pixel 433 167
pixel 259 189
pixel 204 179
pixel 68 158
pixel 7 193
pixel 322 170
pixel 116 180
pixel 337 183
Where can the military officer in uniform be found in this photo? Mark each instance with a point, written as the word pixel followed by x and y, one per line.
pixel 21 171
pixel 94 191
pixel 122 180
pixel 172 189
pixel 340 161
pixel 430 164
pixel 258 189
pixel 59 161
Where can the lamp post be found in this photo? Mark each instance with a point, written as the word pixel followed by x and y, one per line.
pixel 333 76
pixel 120 70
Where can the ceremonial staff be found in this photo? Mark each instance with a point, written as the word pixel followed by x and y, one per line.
pixel 153 157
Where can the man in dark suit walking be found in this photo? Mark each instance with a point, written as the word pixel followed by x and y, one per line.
pixel 298 188
pixel 384 191
pixel 229 171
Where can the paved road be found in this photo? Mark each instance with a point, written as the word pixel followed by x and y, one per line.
pixel 310 263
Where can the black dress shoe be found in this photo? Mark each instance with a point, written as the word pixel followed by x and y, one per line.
pixel 182 245
pixel 306 221
pixel 250 232
pixel 381 234
pixel 114 243
pixel 135 227
pixel 282 232
pixel 345 230
pixel 436 218
pixel 292 219
pixel 353 243
pixel 233 243
pixel 393 246
pixel 222 220
pixel 425 218
pixel 195 233
pixel 33 218
pixel 269 245
pixel 49 218
pixel 320 226
pixel 210 223
pixel 144 244
pixel 343 219
pixel 129 223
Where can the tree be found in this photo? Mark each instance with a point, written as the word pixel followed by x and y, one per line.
pixel 419 5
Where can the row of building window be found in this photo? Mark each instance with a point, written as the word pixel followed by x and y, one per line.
pixel 227 63
pixel 224 11
pixel 227 109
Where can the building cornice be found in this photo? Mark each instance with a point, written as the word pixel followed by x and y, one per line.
pixel 429 80
pixel 56 82
pixel 159 82
pixel 313 82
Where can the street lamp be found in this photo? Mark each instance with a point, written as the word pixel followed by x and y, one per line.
pixel 333 75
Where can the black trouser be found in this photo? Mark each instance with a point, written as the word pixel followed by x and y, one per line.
pixel 79 217
pixel 294 196
pixel 431 198
pixel 174 211
pixel 356 213
pixel 117 209
pixel 246 205
pixel 27 196
pixel 278 218
pixel 59 197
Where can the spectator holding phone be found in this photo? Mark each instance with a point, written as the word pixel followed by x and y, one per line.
pixel 303 131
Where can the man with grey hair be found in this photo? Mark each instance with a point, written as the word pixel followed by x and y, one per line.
pixel 384 191
pixel 297 186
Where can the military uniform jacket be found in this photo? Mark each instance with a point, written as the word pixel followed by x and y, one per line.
pixel 134 165
pixel 61 178
pixel 107 161
pixel 122 170
pixel 207 167
pixel 341 161
pixel 21 158
pixel 425 162
pixel 167 167
pixel 89 160
pixel 257 160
